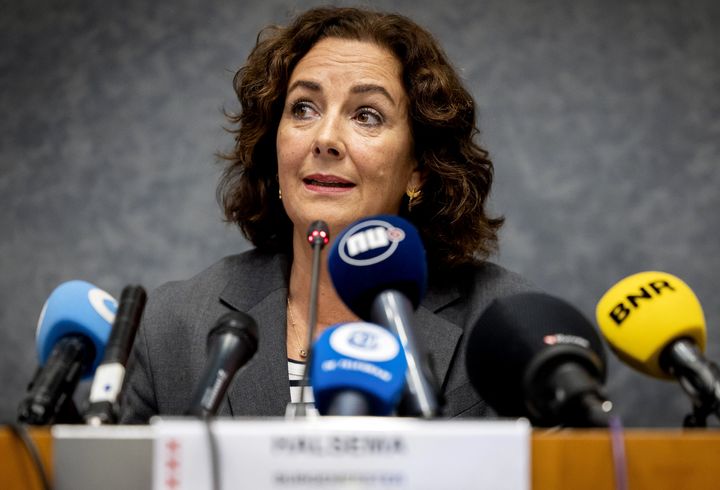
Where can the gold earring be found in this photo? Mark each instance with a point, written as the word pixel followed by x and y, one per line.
pixel 412 194
pixel 279 193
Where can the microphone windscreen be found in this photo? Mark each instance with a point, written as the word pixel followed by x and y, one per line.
pixel 76 308
pixel 519 335
pixel 238 324
pixel 361 357
pixel 644 313
pixel 374 255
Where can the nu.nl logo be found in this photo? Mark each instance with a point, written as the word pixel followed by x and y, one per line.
pixel 377 237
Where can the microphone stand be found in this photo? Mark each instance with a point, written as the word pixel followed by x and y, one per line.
pixel 699 378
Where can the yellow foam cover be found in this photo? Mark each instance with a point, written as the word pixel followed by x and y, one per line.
pixel 643 313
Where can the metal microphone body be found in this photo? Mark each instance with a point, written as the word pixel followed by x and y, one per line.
pixel 394 310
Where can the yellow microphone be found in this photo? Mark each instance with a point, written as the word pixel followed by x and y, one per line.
pixel 654 322
pixel 644 313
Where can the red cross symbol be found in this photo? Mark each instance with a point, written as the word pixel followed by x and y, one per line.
pixel 172 445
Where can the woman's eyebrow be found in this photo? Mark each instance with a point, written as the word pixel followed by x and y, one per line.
pixel 356 89
pixel 371 87
pixel 314 86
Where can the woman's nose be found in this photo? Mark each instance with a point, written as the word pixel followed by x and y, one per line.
pixel 329 141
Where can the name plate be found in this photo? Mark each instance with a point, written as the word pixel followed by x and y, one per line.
pixel 341 452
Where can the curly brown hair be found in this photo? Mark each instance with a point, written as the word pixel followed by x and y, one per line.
pixel 450 214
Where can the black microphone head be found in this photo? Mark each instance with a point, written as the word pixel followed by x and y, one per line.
pixel 318 233
pixel 519 341
pixel 238 324
pixel 230 344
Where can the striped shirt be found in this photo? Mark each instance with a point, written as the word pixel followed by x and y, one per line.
pixel 296 369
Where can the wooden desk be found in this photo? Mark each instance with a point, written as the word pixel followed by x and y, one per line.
pixel 561 460
pixel 656 460
pixel 17 471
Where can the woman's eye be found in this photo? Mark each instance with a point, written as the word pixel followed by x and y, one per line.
pixel 369 117
pixel 302 110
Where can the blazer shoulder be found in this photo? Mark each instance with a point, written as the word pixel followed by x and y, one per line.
pixel 495 280
pixel 253 267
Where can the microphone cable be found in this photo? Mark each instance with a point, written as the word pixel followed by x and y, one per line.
pixel 617 447
pixel 214 453
pixel 21 432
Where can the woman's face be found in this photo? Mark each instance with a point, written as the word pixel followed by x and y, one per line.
pixel 344 145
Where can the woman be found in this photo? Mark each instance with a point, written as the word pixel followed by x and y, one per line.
pixel 345 113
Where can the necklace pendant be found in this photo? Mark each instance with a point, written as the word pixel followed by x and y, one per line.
pixel 303 353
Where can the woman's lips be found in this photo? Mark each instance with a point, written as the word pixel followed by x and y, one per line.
pixel 325 183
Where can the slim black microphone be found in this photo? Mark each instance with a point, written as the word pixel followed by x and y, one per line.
pixel 534 355
pixel 231 343
pixel 318 236
pixel 110 374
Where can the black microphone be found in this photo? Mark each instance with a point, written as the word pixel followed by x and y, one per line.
pixel 378 268
pixel 108 381
pixel 533 355
pixel 231 343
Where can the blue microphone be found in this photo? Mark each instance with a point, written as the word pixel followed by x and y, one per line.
pixel 357 368
pixel 72 332
pixel 378 268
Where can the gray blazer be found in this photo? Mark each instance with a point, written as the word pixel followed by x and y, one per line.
pixel 170 349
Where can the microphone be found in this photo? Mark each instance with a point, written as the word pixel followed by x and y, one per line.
pixel 230 344
pixel 358 369
pixel 378 268
pixel 109 376
pixel 72 331
pixel 318 236
pixel 654 322
pixel 533 355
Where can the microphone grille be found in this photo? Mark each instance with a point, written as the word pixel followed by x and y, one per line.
pixel 235 323
pixel 514 333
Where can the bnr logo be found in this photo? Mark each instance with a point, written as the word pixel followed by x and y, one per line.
pixel 370 236
pixel 363 340
pixel 653 290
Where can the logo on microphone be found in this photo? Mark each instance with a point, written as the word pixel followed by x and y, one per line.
pixel 559 338
pixel 370 242
pixel 104 304
pixel 364 341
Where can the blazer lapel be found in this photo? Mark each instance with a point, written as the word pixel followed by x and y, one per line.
pixel 262 385
pixel 437 335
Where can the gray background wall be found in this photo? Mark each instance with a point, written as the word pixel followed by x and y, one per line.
pixel 601 117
